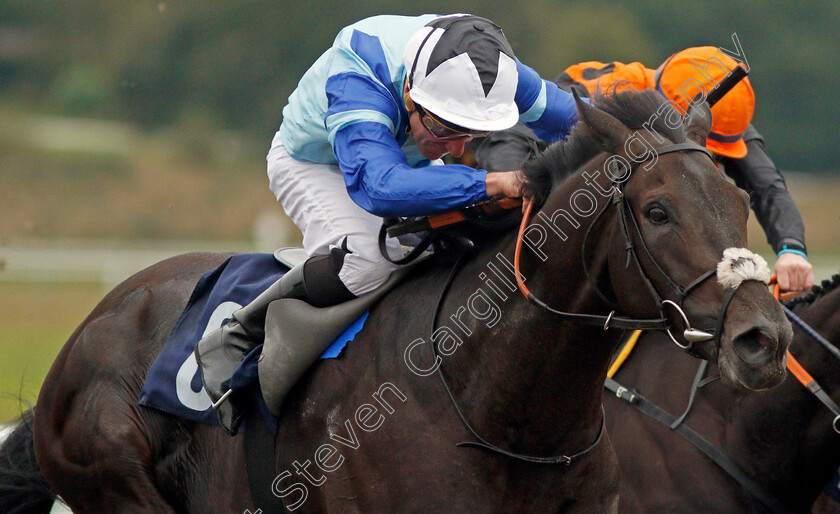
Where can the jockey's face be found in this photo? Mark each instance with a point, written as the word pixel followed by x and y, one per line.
pixel 430 146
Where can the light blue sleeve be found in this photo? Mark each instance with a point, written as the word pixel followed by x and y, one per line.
pixel 548 110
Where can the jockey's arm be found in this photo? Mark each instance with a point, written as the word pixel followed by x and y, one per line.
pixel 381 181
pixel 775 210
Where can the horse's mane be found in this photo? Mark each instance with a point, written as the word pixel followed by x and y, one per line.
pixel 816 292
pixel 548 169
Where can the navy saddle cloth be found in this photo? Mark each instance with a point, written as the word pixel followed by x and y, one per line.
pixel 174 381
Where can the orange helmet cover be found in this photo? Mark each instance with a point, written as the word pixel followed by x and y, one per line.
pixel 700 70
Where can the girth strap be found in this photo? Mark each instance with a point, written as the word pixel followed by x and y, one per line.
pixel 259 460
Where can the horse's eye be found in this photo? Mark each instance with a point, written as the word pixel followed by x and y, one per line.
pixel 656 215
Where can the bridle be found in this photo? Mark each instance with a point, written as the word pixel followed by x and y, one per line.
pixel 606 322
pixel 628 222
pixel 621 202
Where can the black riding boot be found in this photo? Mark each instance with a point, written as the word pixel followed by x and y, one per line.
pixel 220 352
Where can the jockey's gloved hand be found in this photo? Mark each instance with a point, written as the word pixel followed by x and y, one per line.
pixel 793 272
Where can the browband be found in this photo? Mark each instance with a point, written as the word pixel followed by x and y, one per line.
pixel 685 147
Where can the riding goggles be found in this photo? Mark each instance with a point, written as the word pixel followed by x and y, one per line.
pixel 443 131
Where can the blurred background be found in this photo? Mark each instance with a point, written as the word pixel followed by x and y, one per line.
pixel 133 130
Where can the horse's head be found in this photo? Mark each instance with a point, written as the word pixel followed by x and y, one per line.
pixel 673 218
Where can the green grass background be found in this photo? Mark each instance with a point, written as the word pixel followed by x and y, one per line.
pixel 36 320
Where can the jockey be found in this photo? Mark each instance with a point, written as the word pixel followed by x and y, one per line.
pixel 361 139
pixel 739 148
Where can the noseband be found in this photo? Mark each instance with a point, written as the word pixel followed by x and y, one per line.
pixel 627 220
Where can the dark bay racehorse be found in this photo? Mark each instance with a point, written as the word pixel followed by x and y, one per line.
pixel 782 439
pixel 372 431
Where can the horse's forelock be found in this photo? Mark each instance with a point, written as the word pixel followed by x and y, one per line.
pixel 550 168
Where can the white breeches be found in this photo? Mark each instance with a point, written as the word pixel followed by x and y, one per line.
pixel 315 197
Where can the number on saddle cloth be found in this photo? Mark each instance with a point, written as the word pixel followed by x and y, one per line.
pixel 174 381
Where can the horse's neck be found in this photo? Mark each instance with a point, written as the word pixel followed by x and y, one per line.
pixel 526 379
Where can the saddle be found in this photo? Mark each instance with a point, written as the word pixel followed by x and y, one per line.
pixel 297 334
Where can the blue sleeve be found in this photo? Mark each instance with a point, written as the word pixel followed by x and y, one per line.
pixel 352 98
pixel 380 180
pixel 545 108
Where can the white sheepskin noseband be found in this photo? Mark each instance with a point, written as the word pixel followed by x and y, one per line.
pixel 740 264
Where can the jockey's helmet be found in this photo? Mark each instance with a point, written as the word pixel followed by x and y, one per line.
pixel 700 70
pixel 461 69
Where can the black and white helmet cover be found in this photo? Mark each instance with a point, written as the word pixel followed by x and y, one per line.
pixel 461 68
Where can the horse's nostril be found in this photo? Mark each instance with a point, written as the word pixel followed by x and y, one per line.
pixel 753 346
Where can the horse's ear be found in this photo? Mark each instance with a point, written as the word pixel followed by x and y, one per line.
pixel 698 123
pixel 605 129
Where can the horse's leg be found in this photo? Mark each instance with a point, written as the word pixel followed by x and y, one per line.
pixel 89 437
pixel 93 442
pixel 107 473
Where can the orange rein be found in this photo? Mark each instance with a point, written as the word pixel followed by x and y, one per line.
pixel 793 365
pixel 526 214
pixel 777 290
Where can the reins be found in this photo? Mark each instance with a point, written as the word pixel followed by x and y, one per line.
pixel 480 442
pixel 814 387
pixel 797 370
pixel 605 322
pixel 627 220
